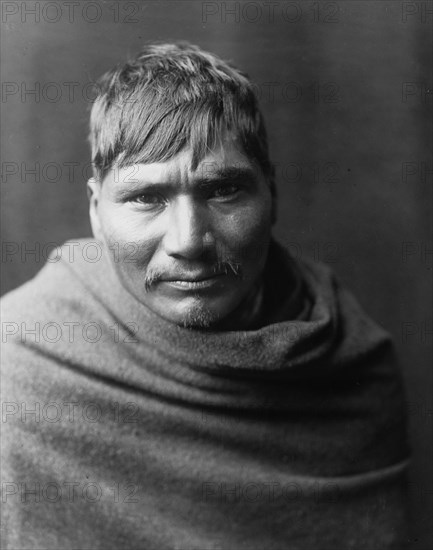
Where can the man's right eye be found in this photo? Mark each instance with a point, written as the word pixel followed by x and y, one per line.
pixel 148 199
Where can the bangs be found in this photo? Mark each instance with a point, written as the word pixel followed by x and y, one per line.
pixel 160 135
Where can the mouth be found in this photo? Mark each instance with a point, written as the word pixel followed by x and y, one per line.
pixel 194 283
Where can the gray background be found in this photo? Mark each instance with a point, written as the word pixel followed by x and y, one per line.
pixel 345 90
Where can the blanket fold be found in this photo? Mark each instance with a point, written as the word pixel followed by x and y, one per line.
pixel 122 430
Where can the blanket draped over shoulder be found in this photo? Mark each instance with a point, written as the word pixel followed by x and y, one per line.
pixel 124 431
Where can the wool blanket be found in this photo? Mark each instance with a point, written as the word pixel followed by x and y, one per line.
pixel 122 430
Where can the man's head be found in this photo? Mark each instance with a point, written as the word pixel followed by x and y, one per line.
pixel 182 193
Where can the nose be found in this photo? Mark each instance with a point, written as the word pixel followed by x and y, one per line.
pixel 187 232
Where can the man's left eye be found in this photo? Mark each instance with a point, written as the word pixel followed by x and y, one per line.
pixel 225 191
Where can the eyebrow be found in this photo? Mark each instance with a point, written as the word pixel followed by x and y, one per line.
pixel 223 176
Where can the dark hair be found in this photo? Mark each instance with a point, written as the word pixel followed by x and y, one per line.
pixel 168 97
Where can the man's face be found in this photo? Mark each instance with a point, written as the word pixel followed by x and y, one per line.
pixel 190 245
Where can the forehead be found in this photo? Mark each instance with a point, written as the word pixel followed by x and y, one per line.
pixel 225 158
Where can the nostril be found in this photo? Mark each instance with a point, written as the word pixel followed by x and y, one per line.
pixel 208 239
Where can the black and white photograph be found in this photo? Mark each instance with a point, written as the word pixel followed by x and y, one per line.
pixel 216 275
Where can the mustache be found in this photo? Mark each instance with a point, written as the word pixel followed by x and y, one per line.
pixel 226 266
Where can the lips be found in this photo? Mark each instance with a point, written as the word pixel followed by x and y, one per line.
pixel 192 278
pixel 197 282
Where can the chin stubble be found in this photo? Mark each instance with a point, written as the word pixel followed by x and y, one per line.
pixel 199 317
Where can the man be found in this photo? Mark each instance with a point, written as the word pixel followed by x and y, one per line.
pixel 187 384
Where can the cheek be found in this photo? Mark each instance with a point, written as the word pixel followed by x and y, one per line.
pixel 130 240
pixel 118 224
pixel 247 232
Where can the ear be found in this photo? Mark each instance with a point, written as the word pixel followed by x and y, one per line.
pixel 93 194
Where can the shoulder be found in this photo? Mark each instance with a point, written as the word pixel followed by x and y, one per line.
pixel 326 287
pixel 57 288
pixel 354 337
pixel 42 313
pixel 54 320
